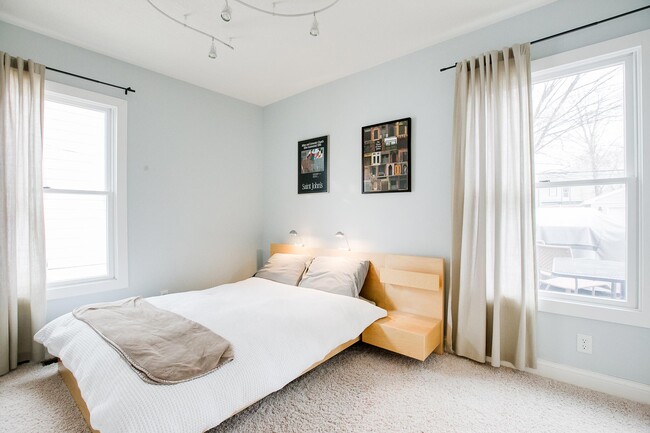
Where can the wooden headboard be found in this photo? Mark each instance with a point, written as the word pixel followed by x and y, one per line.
pixel 411 284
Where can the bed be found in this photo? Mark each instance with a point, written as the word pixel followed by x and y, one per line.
pixel 278 333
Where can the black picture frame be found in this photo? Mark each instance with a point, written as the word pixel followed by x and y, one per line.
pixel 313 165
pixel 386 157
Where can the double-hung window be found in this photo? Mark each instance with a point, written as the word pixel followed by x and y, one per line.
pixel 84 191
pixel 588 169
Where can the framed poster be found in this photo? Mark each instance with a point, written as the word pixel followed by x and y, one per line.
pixel 312 165
pixel 386 157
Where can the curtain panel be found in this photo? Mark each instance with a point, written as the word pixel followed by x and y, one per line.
pixel 492 301
pixel 22 233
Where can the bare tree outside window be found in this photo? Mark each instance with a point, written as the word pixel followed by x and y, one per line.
pixel 579 137
pixel 579 123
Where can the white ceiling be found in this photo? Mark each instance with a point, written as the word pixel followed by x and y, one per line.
pixel 274 57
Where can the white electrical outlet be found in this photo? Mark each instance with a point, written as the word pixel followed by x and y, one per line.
pixel 584 343
pixel 164 292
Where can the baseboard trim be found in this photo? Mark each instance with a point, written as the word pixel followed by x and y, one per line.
pixel 596 381
pixel 588 379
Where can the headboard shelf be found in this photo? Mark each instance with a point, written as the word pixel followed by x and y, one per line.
pixel 410 288
pixel 418 280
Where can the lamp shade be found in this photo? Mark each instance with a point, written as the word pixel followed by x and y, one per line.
pixel 341 235
pixel 296 239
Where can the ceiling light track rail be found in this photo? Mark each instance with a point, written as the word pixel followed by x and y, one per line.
pixel 126 89
pixel 575 29
pixel 226 16
pixel 286 15
pixel 211 36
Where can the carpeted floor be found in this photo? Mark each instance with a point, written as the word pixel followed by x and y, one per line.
pixel 365 389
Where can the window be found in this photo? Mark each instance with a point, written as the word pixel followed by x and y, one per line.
pixel 84 191
pixel 587 135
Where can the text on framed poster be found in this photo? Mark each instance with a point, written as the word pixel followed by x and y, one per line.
pixel 312 165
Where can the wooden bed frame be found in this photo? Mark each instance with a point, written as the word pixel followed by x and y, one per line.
pixel 73 387
pixel 405 297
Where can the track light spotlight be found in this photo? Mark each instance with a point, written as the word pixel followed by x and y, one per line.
pixel 314 27
pixel 213 51
pixel 226 13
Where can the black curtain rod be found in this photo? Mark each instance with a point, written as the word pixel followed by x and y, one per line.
pixel 126 89
pixel 573 30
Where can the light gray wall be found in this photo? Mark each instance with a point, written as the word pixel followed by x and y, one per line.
pixel 420 222
pixel 194 217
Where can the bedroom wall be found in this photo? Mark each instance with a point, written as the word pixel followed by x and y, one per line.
pixel 193 218
pixel 420 222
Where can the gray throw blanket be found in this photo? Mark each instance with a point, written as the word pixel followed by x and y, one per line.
pixel 161 346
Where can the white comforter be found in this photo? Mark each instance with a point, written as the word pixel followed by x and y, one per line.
pixel 277 331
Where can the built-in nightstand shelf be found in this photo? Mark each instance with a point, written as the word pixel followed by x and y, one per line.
pixel 414 296
pixel 405 333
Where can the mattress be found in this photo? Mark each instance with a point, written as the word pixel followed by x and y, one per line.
pixel 277 332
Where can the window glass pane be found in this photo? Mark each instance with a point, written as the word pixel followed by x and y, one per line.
pixel 76 230
pixel 74 147
pixel 581 234
pixel 579 125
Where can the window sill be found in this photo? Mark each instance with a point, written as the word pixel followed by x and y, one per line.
pixel 606 313
pixel 85 288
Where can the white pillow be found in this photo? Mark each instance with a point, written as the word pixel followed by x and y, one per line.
pixel 336 275
pixel 284 268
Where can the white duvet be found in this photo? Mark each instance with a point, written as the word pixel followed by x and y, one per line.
pixel 277 332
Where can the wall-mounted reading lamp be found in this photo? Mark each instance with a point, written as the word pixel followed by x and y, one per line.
pixel 341 235
pixel 296 239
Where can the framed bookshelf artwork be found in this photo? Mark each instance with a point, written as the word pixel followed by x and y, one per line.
pixel 386 157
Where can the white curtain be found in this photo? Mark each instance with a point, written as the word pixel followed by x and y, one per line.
pixel 492 300
pixel 22 243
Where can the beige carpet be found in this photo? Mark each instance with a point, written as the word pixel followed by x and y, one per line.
pixel 366 389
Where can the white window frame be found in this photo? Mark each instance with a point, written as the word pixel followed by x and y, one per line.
pixel 117 242
pixel 636 311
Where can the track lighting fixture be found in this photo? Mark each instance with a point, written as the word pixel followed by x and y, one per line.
pixel 226 13
pixel 314 27
pixel 213 50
